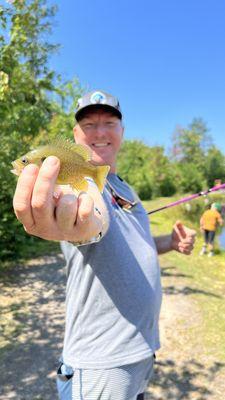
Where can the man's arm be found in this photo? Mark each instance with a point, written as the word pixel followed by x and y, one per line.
pixel 181 239
pixel 67 217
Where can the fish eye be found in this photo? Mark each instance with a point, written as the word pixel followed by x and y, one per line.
pixel 24 160
pixel 43 159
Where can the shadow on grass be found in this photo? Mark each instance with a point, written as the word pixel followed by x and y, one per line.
pixel 185 290
pixel 190 380
pixel 172 272
pixel 29 358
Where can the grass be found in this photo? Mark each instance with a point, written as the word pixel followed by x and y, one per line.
pixel 205 280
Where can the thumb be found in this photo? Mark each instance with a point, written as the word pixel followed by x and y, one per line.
pixel 179 229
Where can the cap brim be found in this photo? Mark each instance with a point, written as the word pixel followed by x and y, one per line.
pixel 81 113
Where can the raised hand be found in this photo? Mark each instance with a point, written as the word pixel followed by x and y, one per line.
pixel 66 217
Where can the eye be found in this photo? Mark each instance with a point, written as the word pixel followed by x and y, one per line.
pixel 43 159
pixel 24 160
pixel 110 124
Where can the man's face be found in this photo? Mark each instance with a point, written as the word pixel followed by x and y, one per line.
pixel 103 133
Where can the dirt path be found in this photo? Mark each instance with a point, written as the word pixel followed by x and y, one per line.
pixel 27 369
pixel 32 308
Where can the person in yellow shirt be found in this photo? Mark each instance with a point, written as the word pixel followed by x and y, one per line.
pixel 209 221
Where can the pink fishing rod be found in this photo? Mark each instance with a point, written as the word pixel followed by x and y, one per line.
pixel 191 197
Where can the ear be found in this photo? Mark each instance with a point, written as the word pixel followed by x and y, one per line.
pixel 122 132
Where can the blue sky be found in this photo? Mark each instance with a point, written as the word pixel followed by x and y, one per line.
pixel 164 60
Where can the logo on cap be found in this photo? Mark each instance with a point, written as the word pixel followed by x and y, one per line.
pixel 98 98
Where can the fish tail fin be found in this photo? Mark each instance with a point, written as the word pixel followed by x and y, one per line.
pixel 100 176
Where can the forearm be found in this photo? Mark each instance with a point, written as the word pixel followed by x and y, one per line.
pixel 163 243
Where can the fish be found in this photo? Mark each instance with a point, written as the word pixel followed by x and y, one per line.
pixel 75 163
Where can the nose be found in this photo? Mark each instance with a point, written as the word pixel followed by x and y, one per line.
pixel 100 130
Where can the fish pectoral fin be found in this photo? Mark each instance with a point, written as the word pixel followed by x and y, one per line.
pixel 80 186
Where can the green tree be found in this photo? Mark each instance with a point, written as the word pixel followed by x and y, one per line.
pixel 214 167
pixel 63 116
pixel 188 178
pixel 132 167
pixel 30 95
pixel 191 144
pixel 161 172
pixel 189 150
pixel 147 169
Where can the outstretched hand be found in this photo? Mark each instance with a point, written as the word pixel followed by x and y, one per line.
pixel 182 238
pixel 68 217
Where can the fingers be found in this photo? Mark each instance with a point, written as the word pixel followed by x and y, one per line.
pixel 183 238
pixel 42 199
pixel 60 190
pixel 47 211
pixel 190 232
pixel 183 232
pixel 23 195
pixel 33 201
pixel 185 248
pixel 66 213
pixel 179 229
pixel 88 222
pixel 188 240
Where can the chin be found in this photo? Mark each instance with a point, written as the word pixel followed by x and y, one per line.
pixel 96 159
pixel 99 161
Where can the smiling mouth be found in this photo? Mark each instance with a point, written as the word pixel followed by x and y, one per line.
pixel 99 145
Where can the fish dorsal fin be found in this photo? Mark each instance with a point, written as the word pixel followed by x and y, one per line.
pixel 83 150
pixel 67 144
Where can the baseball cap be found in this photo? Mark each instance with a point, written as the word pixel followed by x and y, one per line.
pixel 97 99
pixel 217 206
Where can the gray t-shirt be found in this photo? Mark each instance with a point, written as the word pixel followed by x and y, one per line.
pixel 113 295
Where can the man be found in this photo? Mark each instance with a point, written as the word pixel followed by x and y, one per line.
pixel 113 290
pixel 209 221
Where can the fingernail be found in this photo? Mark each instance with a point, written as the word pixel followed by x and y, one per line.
pixel 51 161
pixel 56 195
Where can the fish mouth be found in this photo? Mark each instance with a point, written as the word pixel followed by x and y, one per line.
pixel 15 170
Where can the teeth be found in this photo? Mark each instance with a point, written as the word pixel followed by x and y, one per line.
pixel 100 144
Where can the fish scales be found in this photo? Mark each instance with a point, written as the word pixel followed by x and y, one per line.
pixel 75 163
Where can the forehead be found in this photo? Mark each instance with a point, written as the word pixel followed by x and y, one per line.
pixel 96 114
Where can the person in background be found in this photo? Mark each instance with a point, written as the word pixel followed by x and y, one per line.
pixel 113 293
pixel 209 221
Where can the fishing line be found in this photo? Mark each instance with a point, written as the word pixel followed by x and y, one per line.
pixel 188 198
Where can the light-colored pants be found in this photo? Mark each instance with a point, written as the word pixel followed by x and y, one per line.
pixel 121 383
